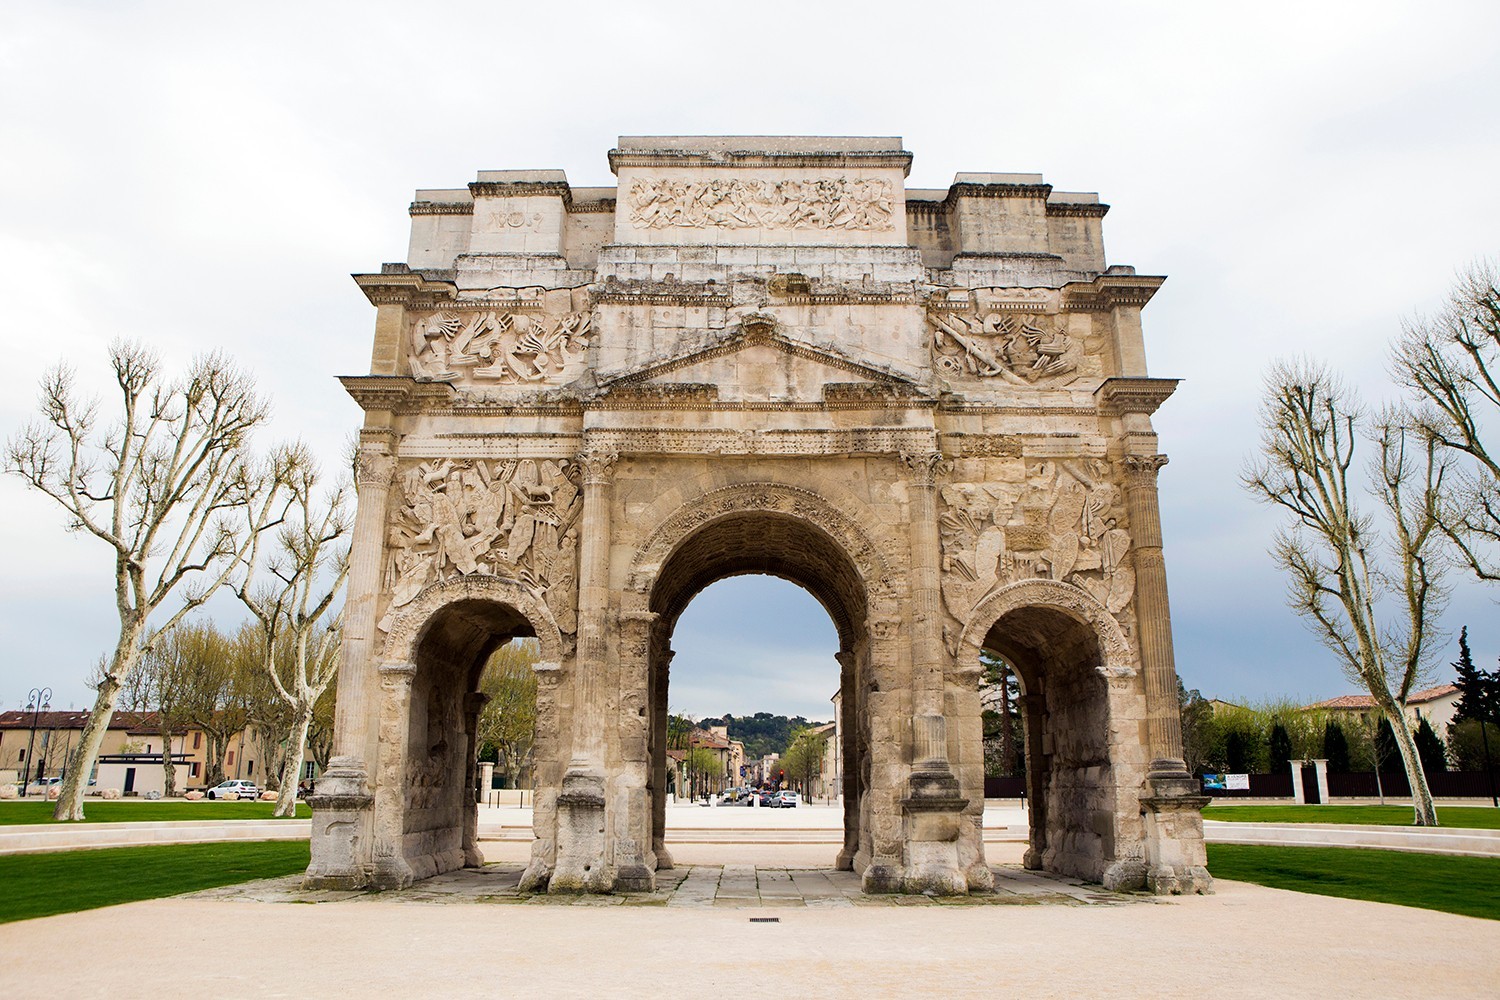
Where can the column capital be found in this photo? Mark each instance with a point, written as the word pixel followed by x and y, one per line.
pixel 1141 469
pixel 373 467
pixel 926 467
pixel 597 465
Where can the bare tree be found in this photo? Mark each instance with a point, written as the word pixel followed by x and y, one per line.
pixel 169 487
pixel 1451 364
pixel 216 697
pixel 295 611
pixel 163 682
pixel 1378 615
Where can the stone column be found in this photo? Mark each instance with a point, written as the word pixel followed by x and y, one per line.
pixel 474 703
pixel 390 869
pixel 933 804
pixel 580 834
pixel 848 757
pixel 661 661
pixel 1038 770
pixel 1176 857
pixel 342 801
pixel 1163 721
pixel 1299 794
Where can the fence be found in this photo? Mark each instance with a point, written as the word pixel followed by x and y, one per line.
pixel 1443 784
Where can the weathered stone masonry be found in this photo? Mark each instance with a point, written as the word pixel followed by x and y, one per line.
pixel 760 355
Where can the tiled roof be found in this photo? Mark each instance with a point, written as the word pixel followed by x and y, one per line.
pixel 21 719
pixel 1362 701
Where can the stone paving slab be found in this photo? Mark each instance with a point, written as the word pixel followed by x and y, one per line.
pixel 693 887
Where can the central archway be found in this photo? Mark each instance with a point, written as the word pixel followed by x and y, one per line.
pixel 796 536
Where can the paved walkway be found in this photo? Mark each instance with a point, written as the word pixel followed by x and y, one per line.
pixel 696 887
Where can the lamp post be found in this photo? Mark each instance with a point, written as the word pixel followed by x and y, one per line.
pixel 38 701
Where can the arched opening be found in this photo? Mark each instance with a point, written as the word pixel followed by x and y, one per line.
pixel 440 814
pixel 1064 708
pixel 775 544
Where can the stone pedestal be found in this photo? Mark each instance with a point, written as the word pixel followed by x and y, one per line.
pixel 580 836
pixel 342 808
pixel 1176 855
pixel 932 812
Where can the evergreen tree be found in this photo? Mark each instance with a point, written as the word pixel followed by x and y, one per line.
pixel 1336 748
pixel 1236 759
pixel 1430 748
pixel 1479 689
pixel 1385 745
pixel 1281 749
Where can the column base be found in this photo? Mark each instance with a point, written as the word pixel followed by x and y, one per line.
pixel 342 811
pixel 1176 854
pixel 933 811
pixel 580 836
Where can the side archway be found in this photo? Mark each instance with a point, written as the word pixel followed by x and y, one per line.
pixel 1077 672
pixel 432 662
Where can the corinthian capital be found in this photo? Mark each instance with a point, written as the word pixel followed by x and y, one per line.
pixel 1142 469
pixel 597 464
pixel 925 467
pixel 374 468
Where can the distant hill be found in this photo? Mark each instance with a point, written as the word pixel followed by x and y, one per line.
pixel 762 733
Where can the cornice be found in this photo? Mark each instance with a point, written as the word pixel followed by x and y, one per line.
pixel 401 288
pixel 1121 395
pixel 521 189
pixel 958 191
pixel 593 205
pixel 393 392
pixel 1079 210
pixel 619 158
pixel 1109 291
pixel 440 208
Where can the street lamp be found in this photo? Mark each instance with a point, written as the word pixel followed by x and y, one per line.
pixel 37 702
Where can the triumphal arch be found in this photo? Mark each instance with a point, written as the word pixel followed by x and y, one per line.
pixel 930 408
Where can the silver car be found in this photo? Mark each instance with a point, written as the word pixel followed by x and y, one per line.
pixel 241 787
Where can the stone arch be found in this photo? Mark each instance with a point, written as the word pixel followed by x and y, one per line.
pixel 411 624
pixel 432 661
pixel 1078 674
pixel 797 534
pixel 796 502
pixel 1117 656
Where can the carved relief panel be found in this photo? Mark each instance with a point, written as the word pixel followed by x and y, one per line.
pixel 1018 340
pixel 516 518
pixel 735 203
pixel 1065 522
pixel 499 346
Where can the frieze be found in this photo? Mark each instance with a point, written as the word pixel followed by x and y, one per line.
pixel 498 347
pixel 515 519
pixel 735 203
pixel 866 441
pixel 1020 348
pixel 1065 523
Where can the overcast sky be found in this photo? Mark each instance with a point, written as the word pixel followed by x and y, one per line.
pixel 207 176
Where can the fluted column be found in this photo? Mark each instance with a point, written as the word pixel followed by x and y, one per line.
pixel 929 734
pixel 1154 619
pixel 593 608
pixel 374 471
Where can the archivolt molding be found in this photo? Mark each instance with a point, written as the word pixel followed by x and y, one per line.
pixel 772 498
pixel 410 625
pixel 1119 658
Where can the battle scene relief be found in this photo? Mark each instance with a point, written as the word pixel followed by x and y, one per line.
pixel 972 340
pixel 732 203
pixel 1065 522
pixel 498 347
pixel 515 518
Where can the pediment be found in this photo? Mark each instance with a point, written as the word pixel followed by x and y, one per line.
pixel 762 365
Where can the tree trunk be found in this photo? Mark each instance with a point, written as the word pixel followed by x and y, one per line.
pixel 76 784
pixel 169 770
pixel 286 800
pixel 213 769
pixel 1416 777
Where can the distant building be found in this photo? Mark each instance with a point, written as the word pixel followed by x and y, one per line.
pixel 1435 704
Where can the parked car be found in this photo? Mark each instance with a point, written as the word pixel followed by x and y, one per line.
pixel 241 787
pixel 786 800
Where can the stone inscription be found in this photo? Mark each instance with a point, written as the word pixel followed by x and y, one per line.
pixel 496 347
pixel 835 203
pixel 1062 523
pixel 512 518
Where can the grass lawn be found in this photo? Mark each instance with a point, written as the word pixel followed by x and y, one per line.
pixel 1469 817
pixel 40 885
pixel 1467 886
pixel 123 811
